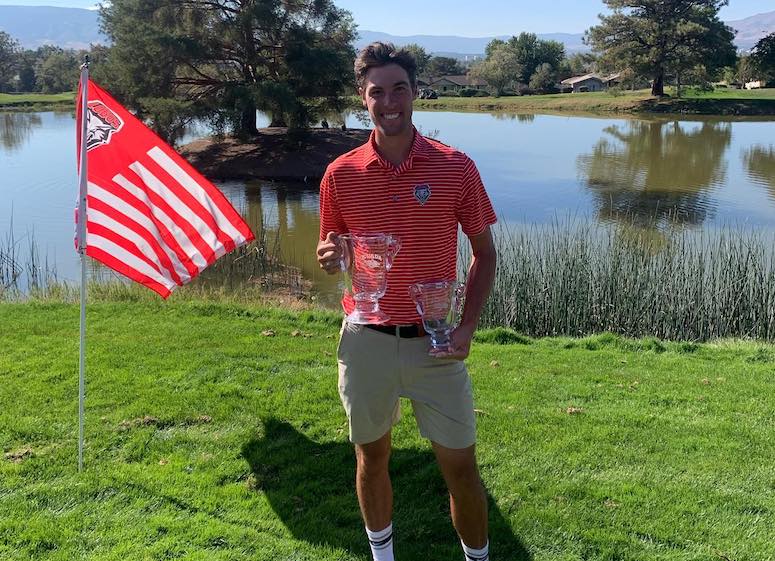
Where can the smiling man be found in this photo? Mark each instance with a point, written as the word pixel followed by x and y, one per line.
pixel 420 190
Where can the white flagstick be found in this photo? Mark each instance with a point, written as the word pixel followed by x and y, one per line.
pixel 82 250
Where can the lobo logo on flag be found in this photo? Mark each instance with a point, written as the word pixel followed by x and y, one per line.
pixel 101 123
pixel 150 216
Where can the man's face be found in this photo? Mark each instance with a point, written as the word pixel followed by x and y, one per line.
pixel 388 95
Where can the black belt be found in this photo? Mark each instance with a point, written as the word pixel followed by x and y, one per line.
pixel 407 331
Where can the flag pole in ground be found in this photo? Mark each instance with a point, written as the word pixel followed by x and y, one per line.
pixel 82 251
pixel 151 216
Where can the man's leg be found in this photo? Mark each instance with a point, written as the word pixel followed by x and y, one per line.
pixel 375 494
pixel 467 498
pixel 372 482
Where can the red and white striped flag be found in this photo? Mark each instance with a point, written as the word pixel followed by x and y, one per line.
pixel 150 215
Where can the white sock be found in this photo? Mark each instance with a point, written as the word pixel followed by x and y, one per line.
pixel 381 543
pixel 477 554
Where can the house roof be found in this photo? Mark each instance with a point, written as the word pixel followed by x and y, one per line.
pixel 584 78
pixel 591 76
pixel 461 80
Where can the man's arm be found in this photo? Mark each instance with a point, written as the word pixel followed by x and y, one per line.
pixel 327 251
pixel 481 274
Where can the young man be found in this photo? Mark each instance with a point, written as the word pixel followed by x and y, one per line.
pixel 420 190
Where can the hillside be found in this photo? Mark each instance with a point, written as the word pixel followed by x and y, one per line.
pixel 750 30
pixel 76 28
pixel 35 26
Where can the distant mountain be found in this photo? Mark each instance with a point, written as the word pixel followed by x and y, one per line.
pixel 76 28
pixel 750 30
pixel 34 26
pixel 462 47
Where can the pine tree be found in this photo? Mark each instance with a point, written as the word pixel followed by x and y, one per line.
pixel 657 37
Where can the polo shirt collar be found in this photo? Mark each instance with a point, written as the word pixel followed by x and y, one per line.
pixel 420 151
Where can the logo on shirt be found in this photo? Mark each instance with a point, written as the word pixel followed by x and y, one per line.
pixel 422 193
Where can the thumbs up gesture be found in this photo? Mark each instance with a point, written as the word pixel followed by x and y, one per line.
pixel 329 254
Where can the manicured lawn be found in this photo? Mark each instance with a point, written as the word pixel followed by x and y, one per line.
pixel 214 432
pixel 721 101
pixel 731 93
pixel 34 100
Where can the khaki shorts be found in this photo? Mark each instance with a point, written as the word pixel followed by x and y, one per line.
pixel 375 369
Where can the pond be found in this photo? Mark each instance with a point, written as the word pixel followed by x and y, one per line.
pixel 658 172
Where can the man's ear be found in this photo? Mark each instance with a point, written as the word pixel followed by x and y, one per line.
pixel 361 93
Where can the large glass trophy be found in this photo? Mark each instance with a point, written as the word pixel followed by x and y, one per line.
pixel 366 260
pixel 439 304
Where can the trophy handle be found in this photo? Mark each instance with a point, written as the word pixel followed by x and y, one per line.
pixel 460 297
pixel 415 293
pixel 343 243
pixel 393 246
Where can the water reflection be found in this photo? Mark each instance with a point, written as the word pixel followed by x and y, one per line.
pixel 760 162
pixel 654 172
pixel 519 117
pixel 288 215
pixel 16 129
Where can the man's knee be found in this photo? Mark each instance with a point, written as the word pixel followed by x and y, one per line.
pixel 374 456
pixel 459 467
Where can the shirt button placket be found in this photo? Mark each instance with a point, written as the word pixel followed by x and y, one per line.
pixel 393 188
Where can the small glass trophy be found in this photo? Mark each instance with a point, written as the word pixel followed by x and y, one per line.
pixel 439 304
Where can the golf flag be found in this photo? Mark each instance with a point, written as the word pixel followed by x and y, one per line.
pixel 149 215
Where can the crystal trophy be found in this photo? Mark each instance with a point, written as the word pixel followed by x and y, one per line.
pixel 366 260
pixel 439 304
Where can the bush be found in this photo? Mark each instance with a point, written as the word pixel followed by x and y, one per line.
pixel 449 93
pixel 472 92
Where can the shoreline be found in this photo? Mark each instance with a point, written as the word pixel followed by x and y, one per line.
pixel 271 154
pixel 639 103
pixel 721 103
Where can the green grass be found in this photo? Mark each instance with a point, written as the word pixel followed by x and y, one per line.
pixel 36 102
pixel 728 93
pixel 208 439
pixel 721 101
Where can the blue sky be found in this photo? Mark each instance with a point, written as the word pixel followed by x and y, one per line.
pixel 468 17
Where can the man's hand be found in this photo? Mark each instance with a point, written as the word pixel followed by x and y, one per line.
pixel 329 254
pixel 460 341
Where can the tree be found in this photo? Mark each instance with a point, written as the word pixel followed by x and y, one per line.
pixel 763 55
pixel 8 54
pixel 544 79
pixel 532 52
pixel 26 71
pixel 500 69
pixel 420 55
pixel 745 70
pixel 654 37
pixel 577 64
pixel 444 66
pixel 57 71
pixel 175 59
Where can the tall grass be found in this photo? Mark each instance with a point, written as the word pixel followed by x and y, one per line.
pixel 577 279
pixel 21 264
pixel 254 268
pixel 565 278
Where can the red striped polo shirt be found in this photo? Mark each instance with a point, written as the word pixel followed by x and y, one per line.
pixel 422 202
